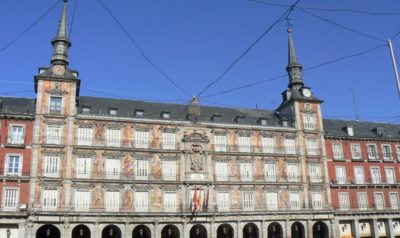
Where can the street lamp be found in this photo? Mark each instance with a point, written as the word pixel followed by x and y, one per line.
pixel 81 232
pixel 111 232
pixel 48 232
pixel 8 233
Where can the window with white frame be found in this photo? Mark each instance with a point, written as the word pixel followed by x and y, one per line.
pixel 294 199
pixel 221 171
pixel 168 141
pixel 141 201
pixel 169 170
pixel 340 174
pixel 10 198
pixel 312 147
pixel 142 169
pixel 83 167
pixel 113 137
pixel 309 121
pixel 270 172
pixel 387 152
pixel 344 202
pixel 315 173
pixel 372 154
pixel 49 198
pixel 398 152
pixel 375 175
pixel 292 172
pixel 113 168
pixel 220 143
pixel 390 176
pixel 290 146
pixel 51 165
pixel 272 201
pixel 55 105
pixel 359 175
pixel 355 151
pixel 85 136
pixel 16 135
pixel 142 139
pixel 268 144
pixel 317 200
pixel 337 150
pixel 394 200
pixel 248 200
pixel 362 200
pixel 379 201
pixel 53 134
pixel 244 144
pixel 112 200
pixel 223 203
pixel 82 200
pixel 246 171
pixel 13 165
pixel 170 201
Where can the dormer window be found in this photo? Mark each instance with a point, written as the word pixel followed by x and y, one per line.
pixel 350 131
pixel 284 123
pixel 239 119
pixel 86 110
pixel 112 111
pixel 216 118
pixel 262 121
pixel 139 113
pixel 379 131
pixel 165 115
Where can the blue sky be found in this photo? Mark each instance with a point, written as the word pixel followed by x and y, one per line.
pixel 195 41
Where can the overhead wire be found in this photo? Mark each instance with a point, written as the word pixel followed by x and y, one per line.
pixel 141 51
pixel 286 14
pixel 73 18
pixel 15 39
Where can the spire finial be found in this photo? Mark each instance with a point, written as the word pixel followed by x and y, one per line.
pixel 293 68
pixel 61 42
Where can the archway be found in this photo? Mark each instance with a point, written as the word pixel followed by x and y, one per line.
pixel 298 230
pixel 250 230
pixel 225 231
pixel 170 231
pixel 320 230
pixel 141 231
pixel 275 230
pixel 198 231
pixel 81 231
pixel 111 231
pixel 48 231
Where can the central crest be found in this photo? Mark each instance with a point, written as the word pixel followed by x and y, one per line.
pixel 197 158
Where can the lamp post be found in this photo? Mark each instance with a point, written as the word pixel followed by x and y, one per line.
pixel 8 233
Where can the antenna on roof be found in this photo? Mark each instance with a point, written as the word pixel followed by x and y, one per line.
pixel 355 105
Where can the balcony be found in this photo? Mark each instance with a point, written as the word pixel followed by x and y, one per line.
pixel 12 207
pixel 224 178
pixel 15 142
pixel 14 174
pixel 366 208
pixel 373 182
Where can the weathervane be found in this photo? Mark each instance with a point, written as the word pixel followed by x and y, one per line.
pixel 288 24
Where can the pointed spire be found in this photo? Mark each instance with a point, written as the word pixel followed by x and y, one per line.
pixel 293 68
pixel 61 42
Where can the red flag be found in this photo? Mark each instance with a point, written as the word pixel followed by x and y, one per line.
pixel 195 200
pixel 208 195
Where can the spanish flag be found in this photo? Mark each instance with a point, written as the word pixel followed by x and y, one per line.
pixel 195 200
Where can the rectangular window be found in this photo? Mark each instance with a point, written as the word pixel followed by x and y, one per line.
pixel 375 175
pixel 142 139
pixel 223 203
pixel 112 111
pixel 168 141
pixel 13 166
pixel 270 172
pixel 112 200
pixel 82 200
pixel 85 136
pixel 272 201
pixel 10 198
pixel 394 201
pixel 315 173
pixel 337 150
pixel 362 200
pixel 398 152
pixel 248 200
pixel 50 198
pixel 344 202
pixel 379 201
pixel 221 171
pixel 317 200
pixel 83 167
pixel 372 155
pixel 355 151
pixel 113 168
pixel 387 152
pixel 290 146
pixel 312 147
pixel 51 165
pixel 246 171
pixel 169 170
pixel 390 177
pixel 220 143
pixel 294 199
pixel 170 201
pixel 309 122
pixel 113 137
pixel 53 134
pixel 55 105
pixel 359 175
pixel 142 169
pixel 268 144
pixel 292 173
pixel 141 201
pixel 340 175
pixel 244 144
pixel 16 135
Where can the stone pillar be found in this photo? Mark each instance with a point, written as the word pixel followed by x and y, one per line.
pixel 212 229
pixel 239 230
pixel 375 228
pixel 22 230
pixel 309 229
pixel 355 230
pixel 156 233
pixel 288 229
pixel 334 228
pixel 389 228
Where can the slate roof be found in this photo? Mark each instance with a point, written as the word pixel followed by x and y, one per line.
pixel 17 106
